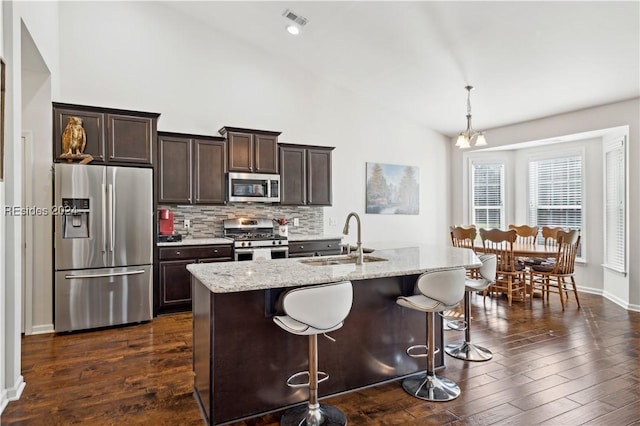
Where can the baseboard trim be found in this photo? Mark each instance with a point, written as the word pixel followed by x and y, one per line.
pixel 11 394
pixel 620 302
pixel 15 391
pixel 42 329
pixel 590 290
pixel 3 401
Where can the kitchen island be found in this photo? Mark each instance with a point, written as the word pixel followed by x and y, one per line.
pixel 242 360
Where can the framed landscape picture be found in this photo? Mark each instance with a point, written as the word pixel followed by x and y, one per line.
pixel 393 189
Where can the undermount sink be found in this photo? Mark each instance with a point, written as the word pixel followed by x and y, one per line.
pixel 339 260
pixel 365 250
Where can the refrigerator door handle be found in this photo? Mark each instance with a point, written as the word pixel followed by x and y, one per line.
pixel 104 214
pixel 110 217
pixel 113 274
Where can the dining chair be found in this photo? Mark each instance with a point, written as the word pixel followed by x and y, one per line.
pixel 508 271
pixel 550 235
pixel 464 237
pixel 526 234
pixel 550 276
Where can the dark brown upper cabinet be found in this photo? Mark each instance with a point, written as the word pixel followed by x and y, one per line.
pixel 114 136
pixel 305 175
pixel 191 169
pixel 251 151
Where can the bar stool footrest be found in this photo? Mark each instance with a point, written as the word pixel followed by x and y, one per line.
pixel 322 376
pixel 412 354
pixel 457 325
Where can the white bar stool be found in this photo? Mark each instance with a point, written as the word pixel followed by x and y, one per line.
pixel 311 311
pixel 434 292
pixel 466 350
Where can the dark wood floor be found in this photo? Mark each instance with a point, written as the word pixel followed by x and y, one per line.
pixel 549 367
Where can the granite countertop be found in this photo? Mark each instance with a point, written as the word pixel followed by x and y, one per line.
pixel 229 277
pixel 312 237
pixel 196 242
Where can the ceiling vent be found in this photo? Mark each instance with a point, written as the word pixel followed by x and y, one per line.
pixel 300 20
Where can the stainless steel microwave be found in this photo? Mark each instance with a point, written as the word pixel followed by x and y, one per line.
pixel 253 187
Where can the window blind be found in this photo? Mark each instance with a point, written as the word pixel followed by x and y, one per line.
pixel 487 194
pixel 615 208
pixel 555 192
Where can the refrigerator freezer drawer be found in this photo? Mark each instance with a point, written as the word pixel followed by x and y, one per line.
pixel 94 298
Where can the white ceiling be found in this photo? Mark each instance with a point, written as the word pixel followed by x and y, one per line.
pixel 527 60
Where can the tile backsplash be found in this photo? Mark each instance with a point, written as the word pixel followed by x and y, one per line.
pixel 206 221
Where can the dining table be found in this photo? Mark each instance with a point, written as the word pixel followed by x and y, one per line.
pixel 525 250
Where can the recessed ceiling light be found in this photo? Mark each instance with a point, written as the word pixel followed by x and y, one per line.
pixel 293 29
pixel 297 22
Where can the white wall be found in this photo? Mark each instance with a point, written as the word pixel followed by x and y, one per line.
pixel 623 290
pixel 16 18
pixel 3 329
pixel 37 120
pixel 200 81
pixel 5 333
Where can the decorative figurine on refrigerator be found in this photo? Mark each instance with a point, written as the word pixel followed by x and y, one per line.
pixel 74 139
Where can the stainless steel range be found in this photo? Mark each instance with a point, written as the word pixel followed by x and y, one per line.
pixel 254 238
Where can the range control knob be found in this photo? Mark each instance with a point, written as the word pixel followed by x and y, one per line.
pixel 273 242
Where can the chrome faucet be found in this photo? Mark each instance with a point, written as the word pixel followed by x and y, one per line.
pixel 345 231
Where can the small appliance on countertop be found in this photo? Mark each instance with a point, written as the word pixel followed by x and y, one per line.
pixel 165 221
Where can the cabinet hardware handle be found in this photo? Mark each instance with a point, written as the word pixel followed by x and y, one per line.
pixel 301 247
pixel 215 251
pixel 177 252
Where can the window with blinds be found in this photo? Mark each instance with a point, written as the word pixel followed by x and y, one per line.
pixel 555 193
pixel 615 206
pixel 487 192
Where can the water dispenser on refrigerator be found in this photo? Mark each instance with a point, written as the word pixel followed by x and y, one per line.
pixel 75 218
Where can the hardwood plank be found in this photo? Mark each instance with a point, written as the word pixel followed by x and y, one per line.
pixel 581 415
pixel 549 366
pixel 622 416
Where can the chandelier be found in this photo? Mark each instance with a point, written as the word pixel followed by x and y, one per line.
pixel 469 136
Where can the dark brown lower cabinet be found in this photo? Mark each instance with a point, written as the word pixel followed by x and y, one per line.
pixel 309 248
pixel 174 282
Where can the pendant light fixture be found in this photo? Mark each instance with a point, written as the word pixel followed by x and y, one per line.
pixel 469 136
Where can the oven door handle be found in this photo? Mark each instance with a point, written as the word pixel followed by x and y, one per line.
pixel 279 248
pixel 243 250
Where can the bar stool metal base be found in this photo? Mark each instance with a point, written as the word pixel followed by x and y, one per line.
pixel 467 351
pixel 431 388
pixel 306 415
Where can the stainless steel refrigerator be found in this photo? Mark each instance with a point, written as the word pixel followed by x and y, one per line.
pixel 103 246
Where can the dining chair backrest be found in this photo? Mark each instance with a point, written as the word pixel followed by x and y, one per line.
pixel 462 236
pixel 500 243
pixel 526 234
pixel 550 236
pixel 568 242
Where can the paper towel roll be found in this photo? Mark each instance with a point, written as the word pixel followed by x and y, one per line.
pixel 261 253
